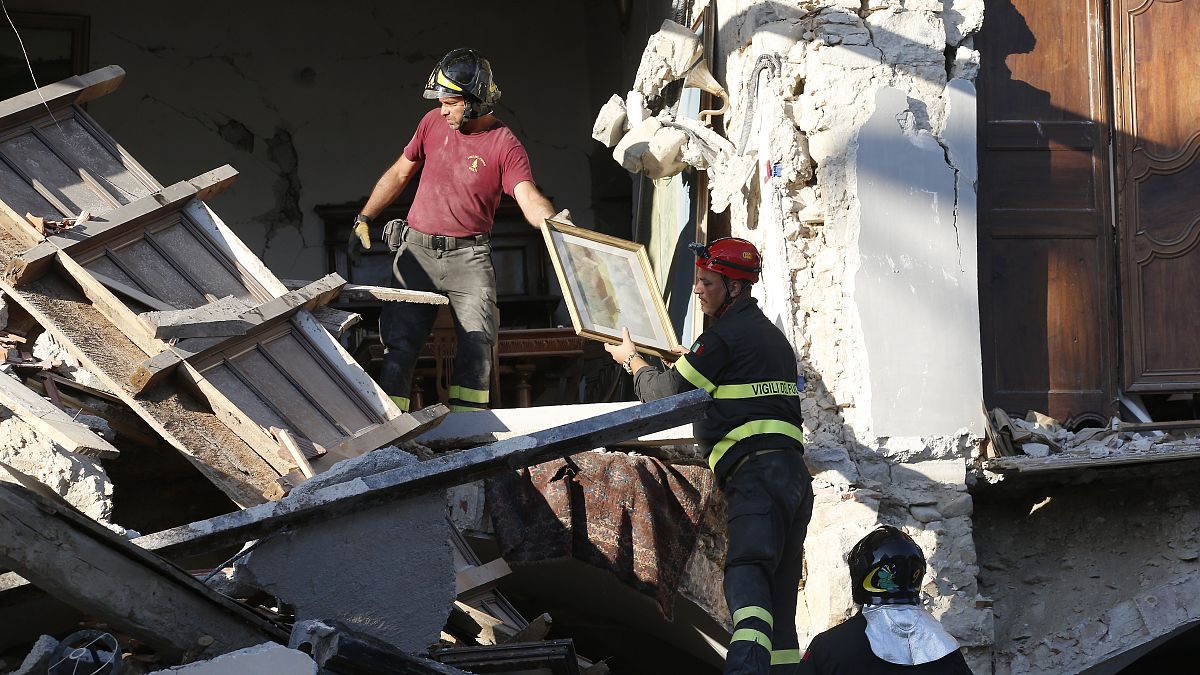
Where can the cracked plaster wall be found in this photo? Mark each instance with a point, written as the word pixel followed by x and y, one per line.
pixel 890 415
pixel 311 101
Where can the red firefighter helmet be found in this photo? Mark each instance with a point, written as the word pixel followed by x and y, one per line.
pixel 731 257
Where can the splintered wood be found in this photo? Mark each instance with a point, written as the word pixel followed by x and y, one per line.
pixel 212 383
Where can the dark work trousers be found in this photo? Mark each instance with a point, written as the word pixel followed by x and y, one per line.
pixel 770 502
pixel 466 277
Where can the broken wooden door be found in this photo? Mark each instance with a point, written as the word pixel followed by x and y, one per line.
pixel 1157 150
pixel 163 248
pixel 1045 271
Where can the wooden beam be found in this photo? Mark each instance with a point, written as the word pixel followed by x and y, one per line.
pixel 481 577
pixel 396 430
pixel 75 90
pixel 434 474
pixel 335 321
pixel 469 429
pixel 91 569
pixel 364 293
pixel 1024 465
pixel 104 228
pixel 131 292
pixel 199 351
pixel 289 443
pixel 179 418
pixel 54 423
pixel 1173 425
pixel 215 319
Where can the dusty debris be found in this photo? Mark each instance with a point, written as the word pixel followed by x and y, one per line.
pixel 56 225
pixel 265 659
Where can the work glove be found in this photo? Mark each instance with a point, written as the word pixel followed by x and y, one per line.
pixel 360 233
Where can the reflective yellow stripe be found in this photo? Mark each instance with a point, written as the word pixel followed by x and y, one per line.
pixel 754 389
pixel 447 82
pixel 470 395
pixel 692 375
pixel 750 635
pixel 401 402
pixel 753 428
pixel 753 611
pixel 785 656
pixel 465 408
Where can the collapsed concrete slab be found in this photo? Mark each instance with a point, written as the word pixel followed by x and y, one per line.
pixel 386 572
pixel 265 659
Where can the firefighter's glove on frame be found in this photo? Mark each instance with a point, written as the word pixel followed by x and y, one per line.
pixel 360 233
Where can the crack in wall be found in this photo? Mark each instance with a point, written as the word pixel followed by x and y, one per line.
pixel 281 151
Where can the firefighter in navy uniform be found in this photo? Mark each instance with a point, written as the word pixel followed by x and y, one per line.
pixel 753 438
pixel 893 634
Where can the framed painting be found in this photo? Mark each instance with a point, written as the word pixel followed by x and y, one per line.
pixel 608 284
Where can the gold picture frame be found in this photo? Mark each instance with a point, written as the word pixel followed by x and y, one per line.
pixel 608 284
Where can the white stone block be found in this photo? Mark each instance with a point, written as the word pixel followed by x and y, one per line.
pixel 966 64
pixel 909 38
pixel 944 471
pixel 611 123
pixel 847 56
pixel 1036 449
pixel 963 18
pixel 925 514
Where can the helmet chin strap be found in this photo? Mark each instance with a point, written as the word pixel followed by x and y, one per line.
pixel 725 281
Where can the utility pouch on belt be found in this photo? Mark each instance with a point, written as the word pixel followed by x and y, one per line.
pixel 393 233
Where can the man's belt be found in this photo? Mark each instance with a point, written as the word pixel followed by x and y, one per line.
pixel 439 242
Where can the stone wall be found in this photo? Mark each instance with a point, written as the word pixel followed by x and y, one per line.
pixel 864 206
pixel 1081 573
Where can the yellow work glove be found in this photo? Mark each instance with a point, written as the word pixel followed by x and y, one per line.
pixel 360 234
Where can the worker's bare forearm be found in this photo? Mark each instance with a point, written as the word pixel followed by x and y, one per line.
pixel 534 205
pixel 390 186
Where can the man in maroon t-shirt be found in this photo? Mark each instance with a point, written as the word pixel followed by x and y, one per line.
pixel 467 158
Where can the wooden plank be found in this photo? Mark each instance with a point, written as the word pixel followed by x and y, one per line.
pixel 54 423
pixel 215 319
pixel 131 292
pixel 107 227
pixel 91 569
pixel 289 443
pixel 481 577
pixel 254 274
pixel 335 321
pixel 376 400
pixel 364 293
pixel 202 352
pixel 434 474
pixel 74 90
pixel 396 430
pixel 232 416
pixel 178 418
pixel 1026 465
pixel 468 429
pixel 117 313
pixel 165 362
pixel 1173 425
pixel 324 388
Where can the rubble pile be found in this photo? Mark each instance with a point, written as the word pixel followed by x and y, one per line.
pixel 157 373
pixel 1038 436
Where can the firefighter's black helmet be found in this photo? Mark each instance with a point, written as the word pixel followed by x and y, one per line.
pixel 886 568
pixel 464 72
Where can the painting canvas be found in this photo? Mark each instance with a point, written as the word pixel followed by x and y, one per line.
pixel 608 285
